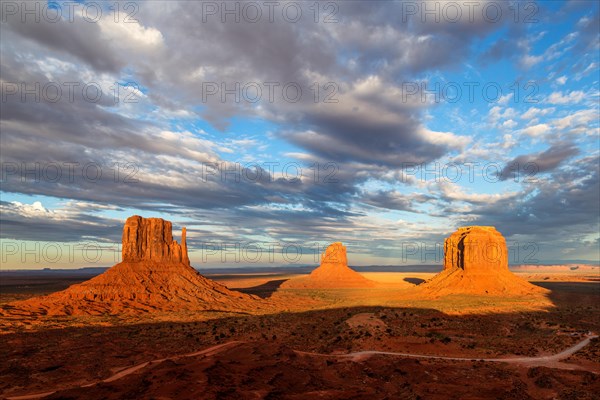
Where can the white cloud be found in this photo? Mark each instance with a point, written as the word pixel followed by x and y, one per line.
pixel 451 191
pixel 528 61
pixel 245 143
pixel 300 156
pixel 64 211
pixel 536 130
pixel 534 112
pixel 496 114
pixel 130 35
pixel 568 98
pixel 186 144
pixel 509 141
pixel 561 80
pixel 448 139
pixel 504 99
pixel 579 118
pixel 583 22
pixel 29 210
pixel 592 67
pixel 509 124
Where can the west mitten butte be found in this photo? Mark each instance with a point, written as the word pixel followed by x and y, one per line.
pixel 155 275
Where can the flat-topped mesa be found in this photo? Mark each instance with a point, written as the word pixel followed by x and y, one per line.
pixel 151 239
pixel 476 249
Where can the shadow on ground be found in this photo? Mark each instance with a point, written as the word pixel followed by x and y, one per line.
pixel 265 290
pixel 265 361
pixel 414 281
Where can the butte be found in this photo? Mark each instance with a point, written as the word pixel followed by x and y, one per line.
pixel 333 273
pixel 476 262
pixel 154 276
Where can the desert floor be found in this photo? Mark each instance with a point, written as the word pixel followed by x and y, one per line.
pixel 314 345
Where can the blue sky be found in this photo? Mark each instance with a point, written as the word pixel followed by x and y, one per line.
pixel 372 161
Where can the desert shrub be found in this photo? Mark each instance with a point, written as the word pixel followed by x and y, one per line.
pixel 544 382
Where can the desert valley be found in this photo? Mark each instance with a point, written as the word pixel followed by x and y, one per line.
pixel 153 327
pixel 300 200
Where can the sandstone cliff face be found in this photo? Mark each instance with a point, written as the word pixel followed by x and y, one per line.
pixel 476 262
pixel 333 272
pixel 334 257
pixel 155 275
pixel 477 249
pixel 151 239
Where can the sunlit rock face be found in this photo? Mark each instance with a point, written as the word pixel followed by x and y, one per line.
pixel 151 239
pixel 476 262
pixel 476 249
pixel 334 262
pixel 334 271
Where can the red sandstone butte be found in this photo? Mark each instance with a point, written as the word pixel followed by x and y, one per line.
pixel 476 262
pixel 333 273
pixel 155 275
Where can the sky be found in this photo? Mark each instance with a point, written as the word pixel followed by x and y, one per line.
pixel 270 130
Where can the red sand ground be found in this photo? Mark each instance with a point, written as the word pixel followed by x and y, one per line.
pixel 486 312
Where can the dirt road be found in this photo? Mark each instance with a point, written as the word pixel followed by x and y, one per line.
pixel 552 361
pixel 127 371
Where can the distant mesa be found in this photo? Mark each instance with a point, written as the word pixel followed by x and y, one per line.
pixel 476 262
pixel 155 275
pixel 333 273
